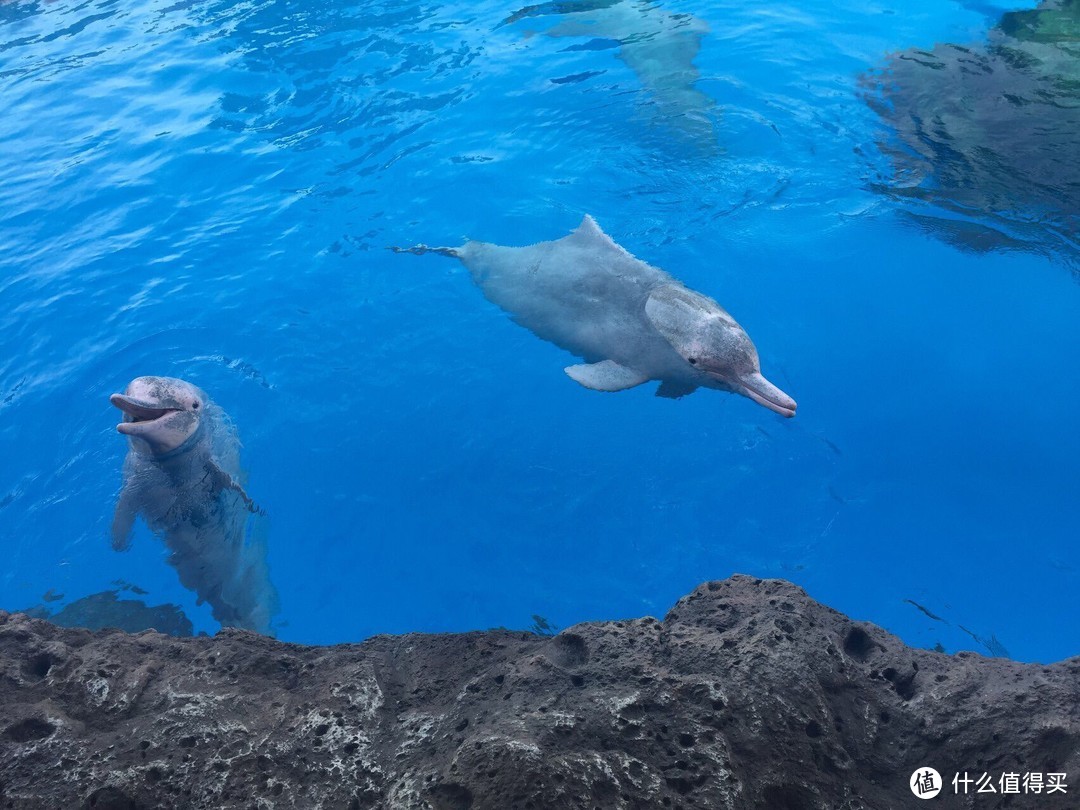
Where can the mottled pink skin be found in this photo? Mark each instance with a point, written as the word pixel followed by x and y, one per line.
pixel 160 413
pixel 707 338
pixel 765 393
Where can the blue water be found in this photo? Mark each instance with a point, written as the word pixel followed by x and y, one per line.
pixel 205 190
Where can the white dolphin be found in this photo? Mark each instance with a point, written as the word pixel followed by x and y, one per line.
pixel 630 321
pixel 180 475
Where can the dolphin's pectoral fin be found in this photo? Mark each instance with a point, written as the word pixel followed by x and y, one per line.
pixel 673 390
pixel 123 520
pixel 607 375
pixel 223 481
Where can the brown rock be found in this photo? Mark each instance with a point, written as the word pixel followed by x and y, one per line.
pixel 748 696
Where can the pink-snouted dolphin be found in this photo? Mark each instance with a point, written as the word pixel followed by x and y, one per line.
pixel 181 475
pixel 631 322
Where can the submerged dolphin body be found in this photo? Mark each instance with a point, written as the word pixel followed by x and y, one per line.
pixel 181 475
pixel 659 46
pixel 630 321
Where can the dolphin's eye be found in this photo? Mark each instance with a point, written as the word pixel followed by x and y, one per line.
pixel 692 361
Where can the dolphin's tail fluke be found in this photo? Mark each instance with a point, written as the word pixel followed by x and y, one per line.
pixel 420 250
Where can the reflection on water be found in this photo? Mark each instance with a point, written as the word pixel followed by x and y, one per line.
pixel 659 46
pixel 992 131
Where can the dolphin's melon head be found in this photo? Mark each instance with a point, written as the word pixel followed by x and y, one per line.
pixel 160 413
pixel 713 344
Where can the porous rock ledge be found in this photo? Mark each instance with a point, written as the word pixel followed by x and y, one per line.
pixel 748 695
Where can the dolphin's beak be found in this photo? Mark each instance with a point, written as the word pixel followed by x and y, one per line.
pixel 765 393
pixel 136 412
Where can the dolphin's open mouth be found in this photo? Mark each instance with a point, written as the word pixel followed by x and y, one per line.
pixel 136 412
pixel 765 393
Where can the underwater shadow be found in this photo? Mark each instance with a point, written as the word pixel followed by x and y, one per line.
pixel 657 45
pixel 987 136
pixel 106 609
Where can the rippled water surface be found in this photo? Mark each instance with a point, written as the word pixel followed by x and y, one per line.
pixel 206 190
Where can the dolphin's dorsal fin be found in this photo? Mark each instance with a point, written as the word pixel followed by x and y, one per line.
pixel 589 233
pixel 589 227
pixel 607 375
